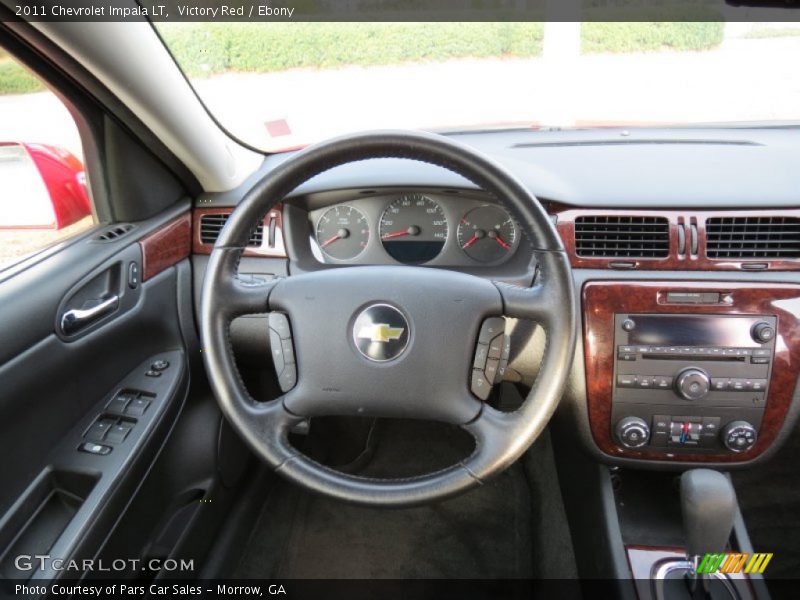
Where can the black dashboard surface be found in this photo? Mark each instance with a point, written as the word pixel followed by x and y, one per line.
pixel 621 168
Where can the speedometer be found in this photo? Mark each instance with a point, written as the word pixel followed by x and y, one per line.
pixel 413 229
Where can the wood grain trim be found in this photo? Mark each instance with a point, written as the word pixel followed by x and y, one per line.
pixel 274 215
pixel 679 259
pixel 166 246
pixel 602 299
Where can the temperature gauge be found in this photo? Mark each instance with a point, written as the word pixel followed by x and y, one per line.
pixel 487 234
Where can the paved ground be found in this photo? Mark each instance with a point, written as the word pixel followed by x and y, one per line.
pixel 743 79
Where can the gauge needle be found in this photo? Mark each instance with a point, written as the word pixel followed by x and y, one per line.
pixel 471 241
pixel 502 242
pixel 388 236
pixel 330 240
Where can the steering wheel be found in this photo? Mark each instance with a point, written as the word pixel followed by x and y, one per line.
pixel 436 315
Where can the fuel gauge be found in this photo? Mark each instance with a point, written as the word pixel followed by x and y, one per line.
pixel 487 234
pixel 342 232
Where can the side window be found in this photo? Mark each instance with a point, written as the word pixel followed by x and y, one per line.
pixel 44 196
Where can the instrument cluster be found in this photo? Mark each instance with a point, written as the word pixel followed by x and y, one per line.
pixel 414 228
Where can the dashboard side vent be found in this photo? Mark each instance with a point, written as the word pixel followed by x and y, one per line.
pixel 753 237
pixel 621 237
pixel 114 232
pixel 211 225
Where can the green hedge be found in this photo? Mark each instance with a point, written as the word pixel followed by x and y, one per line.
pixel 650 37
pixel 205 48
pixel 16 80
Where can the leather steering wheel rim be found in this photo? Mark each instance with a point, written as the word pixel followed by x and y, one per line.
pixel 501 438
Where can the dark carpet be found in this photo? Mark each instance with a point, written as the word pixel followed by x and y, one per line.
pixel 769 498
pixel 512 527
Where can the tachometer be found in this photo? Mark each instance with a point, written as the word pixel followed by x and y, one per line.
pixel 342 232
pixel 413 229
pixel 487 233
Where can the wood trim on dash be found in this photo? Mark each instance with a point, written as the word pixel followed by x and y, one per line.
pixel 166 246
pixel 602 299
pixel 273 217
pixel 679 258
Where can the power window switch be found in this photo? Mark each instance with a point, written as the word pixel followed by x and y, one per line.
pixel 97 432
pixel 92 448
pixel 137 407
pixel 159 365
pixel 118 433
pixel 152 373
pixel 119 403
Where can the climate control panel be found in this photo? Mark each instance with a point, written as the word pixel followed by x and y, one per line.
pixel 691 383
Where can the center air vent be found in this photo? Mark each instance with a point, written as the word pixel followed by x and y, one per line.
pixel 211 225
pixel 621 237
pixel 753 237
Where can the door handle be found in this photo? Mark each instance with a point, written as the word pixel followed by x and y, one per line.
pixel 78 318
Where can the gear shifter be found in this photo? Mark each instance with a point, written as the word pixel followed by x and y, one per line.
pixel 708 503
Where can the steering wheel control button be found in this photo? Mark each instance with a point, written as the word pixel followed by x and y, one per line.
pixel 92 448
pixel 282 346
pixel 288 377
pixel 159 365
pixel 481 354
pixel 491 356
pixel 480 386
pixel 632 432
pixel 380 333
pixel 279 323
pixel 491 328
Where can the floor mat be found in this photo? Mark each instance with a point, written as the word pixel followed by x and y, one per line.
pixel 486 533
pixel 769 497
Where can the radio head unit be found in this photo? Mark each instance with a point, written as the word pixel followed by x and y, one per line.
pixel 694 383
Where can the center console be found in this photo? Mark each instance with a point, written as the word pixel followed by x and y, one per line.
pixel 704 372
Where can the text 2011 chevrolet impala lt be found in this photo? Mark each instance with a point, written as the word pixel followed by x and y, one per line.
pixel 399 308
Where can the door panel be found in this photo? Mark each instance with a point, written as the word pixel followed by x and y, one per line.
pixel 58 384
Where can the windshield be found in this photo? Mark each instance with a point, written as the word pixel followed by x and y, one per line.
pixel 283 85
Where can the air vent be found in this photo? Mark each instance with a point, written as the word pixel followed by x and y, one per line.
pixel 211 225
pixel 114 232
pixel 621 237
pixel 753 237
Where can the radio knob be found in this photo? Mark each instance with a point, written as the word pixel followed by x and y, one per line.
pixel 692 384
pixel 739 436
pixel 632 432
pixel 763 333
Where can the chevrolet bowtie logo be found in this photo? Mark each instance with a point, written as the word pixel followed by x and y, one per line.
pixel 380 332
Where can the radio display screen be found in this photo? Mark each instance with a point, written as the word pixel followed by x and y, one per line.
pixel 676 330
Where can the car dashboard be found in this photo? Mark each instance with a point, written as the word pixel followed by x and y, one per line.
pixel 710 256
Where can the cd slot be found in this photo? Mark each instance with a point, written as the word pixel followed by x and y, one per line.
pixel 696 357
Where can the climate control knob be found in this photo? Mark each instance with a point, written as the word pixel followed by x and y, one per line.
pixel 632 432
pixel 739 436
pixel 692 384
